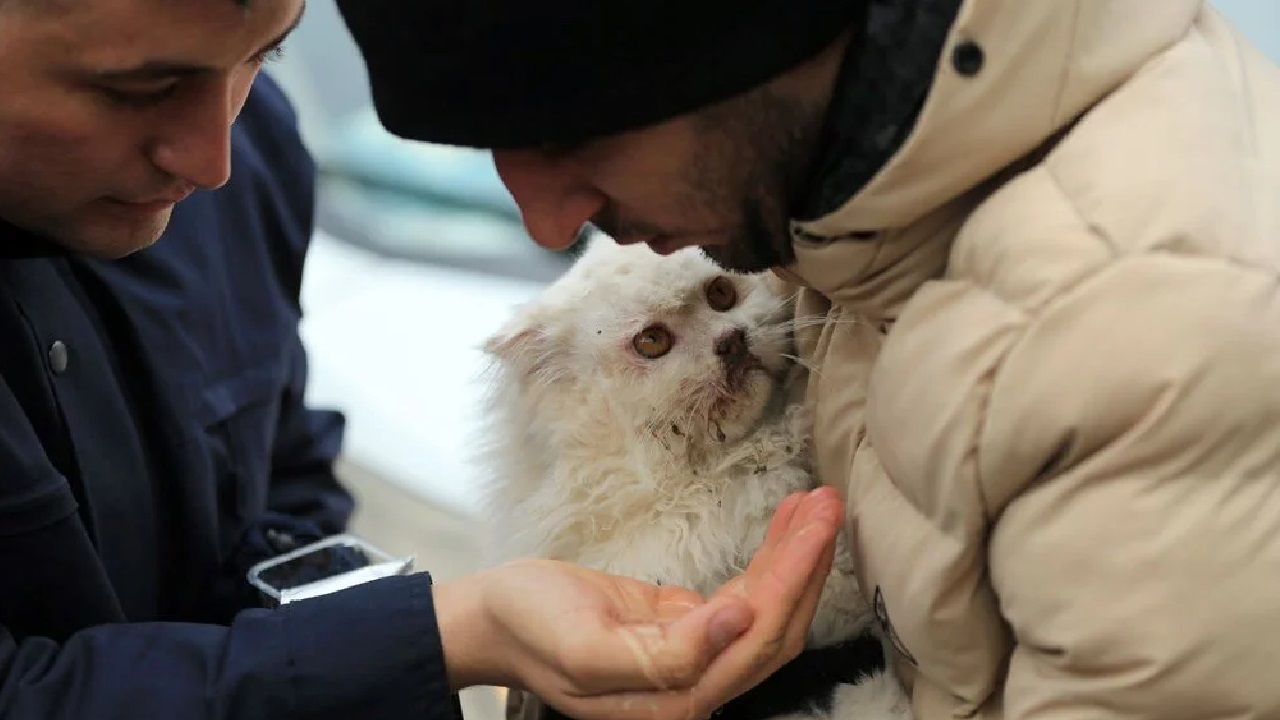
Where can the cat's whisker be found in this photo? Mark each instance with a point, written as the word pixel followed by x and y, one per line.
pixel 784 326
pixel 819 322
pixel 811 367
pixel 807 321
pixel 784 300
pixel 799 322
pixel 786 303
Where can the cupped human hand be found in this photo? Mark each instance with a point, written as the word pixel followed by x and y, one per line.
pixel 602 647
pixel 782 584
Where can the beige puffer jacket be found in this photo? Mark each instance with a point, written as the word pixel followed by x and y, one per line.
pixel 1050 382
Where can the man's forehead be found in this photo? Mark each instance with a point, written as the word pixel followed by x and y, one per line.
pixel 63 6
pixel 212 33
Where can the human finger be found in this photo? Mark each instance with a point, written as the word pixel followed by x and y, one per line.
pixel 779 526
pixel 778 586
pixel 787 644
pixel 810 537
pixel 824 539
pixel 778 574
pixel 780 523
pixel 784 590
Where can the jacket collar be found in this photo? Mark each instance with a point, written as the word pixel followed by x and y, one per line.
pixel 1006 76
pixel 16 244
pixel 881 86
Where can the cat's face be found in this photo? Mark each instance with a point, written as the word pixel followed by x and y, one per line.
pixel 675 344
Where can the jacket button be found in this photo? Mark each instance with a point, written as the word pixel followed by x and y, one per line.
pixel 967 58
pixel 59 356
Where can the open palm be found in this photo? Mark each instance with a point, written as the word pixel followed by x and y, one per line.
pixel 603 647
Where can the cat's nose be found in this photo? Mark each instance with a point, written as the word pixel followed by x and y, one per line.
pixel 732 346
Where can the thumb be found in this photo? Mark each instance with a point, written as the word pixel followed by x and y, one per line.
pixel 673 659
pixel 694 641
pixel 652 656
pixel 727 624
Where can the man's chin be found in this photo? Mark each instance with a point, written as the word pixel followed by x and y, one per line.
pixel 760 242
pixel 111 236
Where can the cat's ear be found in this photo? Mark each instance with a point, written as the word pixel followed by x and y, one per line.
pixel 513 340
pixel 524 343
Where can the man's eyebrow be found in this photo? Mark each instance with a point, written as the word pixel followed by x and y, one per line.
pixel 162 69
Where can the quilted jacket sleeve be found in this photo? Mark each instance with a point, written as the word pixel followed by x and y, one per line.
pixel 1131 453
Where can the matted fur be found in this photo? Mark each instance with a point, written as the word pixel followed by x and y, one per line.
pixel 667 469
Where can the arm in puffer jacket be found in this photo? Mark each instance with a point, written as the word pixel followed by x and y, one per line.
pixel 1135 429
pixel 1129 464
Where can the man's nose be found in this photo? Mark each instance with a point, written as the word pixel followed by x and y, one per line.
pixel 196 145
pixel 555 201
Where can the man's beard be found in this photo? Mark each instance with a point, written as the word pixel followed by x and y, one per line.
pixel 772 179
pixel 758 245
pixel 757 155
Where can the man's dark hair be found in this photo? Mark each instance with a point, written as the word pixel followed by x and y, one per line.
pixel 44 4
pixel 33 4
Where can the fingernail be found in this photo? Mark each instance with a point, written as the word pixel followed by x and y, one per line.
pixel 728 625
pixel 825 490
pixel 829 511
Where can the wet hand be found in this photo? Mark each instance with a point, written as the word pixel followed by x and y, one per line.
pixel 603 647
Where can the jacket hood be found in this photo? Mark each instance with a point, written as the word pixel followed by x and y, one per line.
pixel 1010 75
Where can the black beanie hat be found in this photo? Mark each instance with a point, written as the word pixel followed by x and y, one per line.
pixel 520 73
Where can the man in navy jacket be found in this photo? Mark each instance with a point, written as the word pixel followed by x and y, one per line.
pixel 154 442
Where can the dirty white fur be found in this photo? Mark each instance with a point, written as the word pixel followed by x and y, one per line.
pixel 659 469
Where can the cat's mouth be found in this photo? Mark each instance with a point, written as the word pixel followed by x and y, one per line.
pixel 740 391
pixel 738 359
pixel 736 383
pixel 736 374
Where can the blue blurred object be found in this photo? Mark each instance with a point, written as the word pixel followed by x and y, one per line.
pixel 417 202
pixel 461 178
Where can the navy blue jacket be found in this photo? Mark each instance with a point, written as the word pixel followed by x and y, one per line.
pixel 152 429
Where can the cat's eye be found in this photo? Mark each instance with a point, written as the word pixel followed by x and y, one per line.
pixel 722 295
pixel 653 342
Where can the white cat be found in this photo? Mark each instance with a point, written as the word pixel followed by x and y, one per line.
pixel 639 425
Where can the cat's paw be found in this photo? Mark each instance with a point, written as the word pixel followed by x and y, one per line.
pixel 875 697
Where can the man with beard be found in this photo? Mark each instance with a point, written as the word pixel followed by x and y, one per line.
pixel 1046 243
